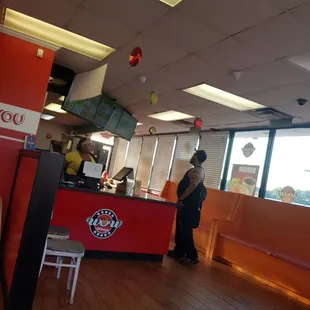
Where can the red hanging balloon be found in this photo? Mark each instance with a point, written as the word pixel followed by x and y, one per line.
pixel 198 122
pixel 135 57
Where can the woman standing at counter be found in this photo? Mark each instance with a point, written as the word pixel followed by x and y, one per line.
pixel 73 160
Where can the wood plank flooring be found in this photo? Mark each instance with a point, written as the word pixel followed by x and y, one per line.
pixel 123 285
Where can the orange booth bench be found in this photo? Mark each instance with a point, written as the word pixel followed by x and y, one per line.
pixel 266 239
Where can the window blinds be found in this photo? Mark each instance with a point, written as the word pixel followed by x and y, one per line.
pixel 118 156
pixel 162 162
pixel 146 158
pixel 185 149
pixel 214 144
pixel 133 154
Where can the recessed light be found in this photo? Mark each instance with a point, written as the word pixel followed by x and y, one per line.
pixel 47 117
pixel 222 97
pixel 55 108
pixel 171 2
pixel 62 98
pixel 170 116
pixel 56 36
pixel 139 124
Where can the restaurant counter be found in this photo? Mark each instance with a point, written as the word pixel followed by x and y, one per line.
pixel 112 225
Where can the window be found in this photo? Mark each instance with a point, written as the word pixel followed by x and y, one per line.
pixel 146 158
pixel 214 144
pixel 162 162
pixel 133 154
pixel 185 149
pixel 289 174
pixel 247 162
pixel 118 156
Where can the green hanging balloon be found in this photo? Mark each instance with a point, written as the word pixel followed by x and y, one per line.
pixel 152 131
pixel 153 98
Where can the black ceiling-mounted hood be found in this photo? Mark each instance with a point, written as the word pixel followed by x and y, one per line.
pixel 61 79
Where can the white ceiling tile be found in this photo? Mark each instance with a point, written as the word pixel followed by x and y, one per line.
pixel 185 73
pixel 270 97
pixel 295 110
pixel 101 30
pixel 56 12
pixel 278 37
pixel 74 61
pixel 160 53
pixel 136 14
pixel 278 73
pixel 234 54
pixel 244 85
pixel 288 4
pixel 229 16
pixel 295 91
pixel 182 32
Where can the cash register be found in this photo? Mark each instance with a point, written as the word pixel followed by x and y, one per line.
pixel 122 176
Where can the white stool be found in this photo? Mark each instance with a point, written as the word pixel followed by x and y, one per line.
pixel 58 232
pixel 61 249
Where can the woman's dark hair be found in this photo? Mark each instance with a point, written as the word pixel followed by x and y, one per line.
pixel 79 146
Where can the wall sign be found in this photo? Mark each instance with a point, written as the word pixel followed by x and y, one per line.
pixel 19 119
pixel 243 179
pixel 248 149
pixel 287 194
pixel 103 223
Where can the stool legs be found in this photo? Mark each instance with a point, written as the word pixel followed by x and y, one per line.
pixel 59 261
pixel 43 258
pixel 70 274
pixel 76 274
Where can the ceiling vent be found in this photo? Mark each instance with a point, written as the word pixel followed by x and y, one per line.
pixel 269 114
pixel 183 123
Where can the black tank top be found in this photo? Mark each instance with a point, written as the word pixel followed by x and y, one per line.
pixel 194 197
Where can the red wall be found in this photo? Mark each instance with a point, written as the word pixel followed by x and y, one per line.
pixel 23 83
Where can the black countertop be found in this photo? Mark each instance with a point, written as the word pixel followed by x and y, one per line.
pixel 150 198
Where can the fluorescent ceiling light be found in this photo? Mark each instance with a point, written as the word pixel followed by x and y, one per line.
pixel 55 108
pixel 171 2
pixel 222 97
pixel 51 34
pixel 170 116
pixel 62 98
pixel 47 117
pixel 139 124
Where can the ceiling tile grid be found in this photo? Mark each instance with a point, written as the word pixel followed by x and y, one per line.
pixel 229 16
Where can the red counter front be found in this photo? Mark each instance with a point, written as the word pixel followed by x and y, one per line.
pixel 111 223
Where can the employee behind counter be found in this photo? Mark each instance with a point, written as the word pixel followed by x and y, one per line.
pixel 73 168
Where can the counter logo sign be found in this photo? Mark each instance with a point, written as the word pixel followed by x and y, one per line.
pixel 103 223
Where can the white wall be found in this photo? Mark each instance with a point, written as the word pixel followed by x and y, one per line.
pixel 46 127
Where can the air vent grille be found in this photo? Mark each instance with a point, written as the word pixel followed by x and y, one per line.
pixel 269 114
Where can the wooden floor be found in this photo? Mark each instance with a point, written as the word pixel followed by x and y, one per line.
pixel 118 285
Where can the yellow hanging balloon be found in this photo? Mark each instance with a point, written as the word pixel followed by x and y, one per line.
pixel 153 98
pixel 152 131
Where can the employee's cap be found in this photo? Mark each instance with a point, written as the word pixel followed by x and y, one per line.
pixel 202 155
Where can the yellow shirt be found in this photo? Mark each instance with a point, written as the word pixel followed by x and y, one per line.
pixel 74 161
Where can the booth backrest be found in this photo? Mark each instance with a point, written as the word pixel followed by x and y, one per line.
pixel 281 227
pixel 218 205
pixel 169 191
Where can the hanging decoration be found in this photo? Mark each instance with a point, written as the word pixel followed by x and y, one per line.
pixel 152 131
pixel 248 149
pixel 135 57
pixel 153 98
pixel 287 194
pixel 198 123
